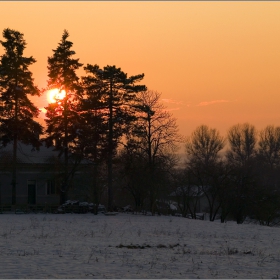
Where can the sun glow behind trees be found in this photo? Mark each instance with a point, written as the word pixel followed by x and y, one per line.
pixel 89 119
pixel 54 95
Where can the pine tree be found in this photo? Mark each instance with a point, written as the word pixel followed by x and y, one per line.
pixel 112 94
pixel 17 112
pixel 63 115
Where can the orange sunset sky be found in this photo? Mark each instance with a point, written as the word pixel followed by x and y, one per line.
pixel 215 63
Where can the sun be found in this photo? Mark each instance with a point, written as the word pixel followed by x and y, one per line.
pixel 54 94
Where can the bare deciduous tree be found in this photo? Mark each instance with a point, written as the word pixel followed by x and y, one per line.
pixel 203 149
pixel 267 192
pixel 204 145
pixel 241 157
pixel 155 134
pixel 242 140
pixel 269 145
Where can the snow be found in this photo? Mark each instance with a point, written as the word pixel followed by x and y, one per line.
pixel 173 207
pixel 134 246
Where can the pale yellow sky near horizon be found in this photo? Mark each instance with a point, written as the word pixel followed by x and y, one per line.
pixel 215 63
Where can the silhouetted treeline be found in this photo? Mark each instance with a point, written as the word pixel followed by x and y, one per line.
pixel 239 174
pixel 102 114
pixel 131 141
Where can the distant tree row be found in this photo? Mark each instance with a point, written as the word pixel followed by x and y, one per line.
pixel 238 174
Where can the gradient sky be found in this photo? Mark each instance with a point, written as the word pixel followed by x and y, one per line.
pixel 215 63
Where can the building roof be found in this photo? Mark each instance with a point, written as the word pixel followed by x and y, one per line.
pixel 28 154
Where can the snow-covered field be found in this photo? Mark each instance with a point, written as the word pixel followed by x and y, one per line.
pixel 134 246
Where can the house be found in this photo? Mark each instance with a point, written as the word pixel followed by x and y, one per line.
pixel 38 177
pixel 190 197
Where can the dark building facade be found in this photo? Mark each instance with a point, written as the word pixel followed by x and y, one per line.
pixel 39 176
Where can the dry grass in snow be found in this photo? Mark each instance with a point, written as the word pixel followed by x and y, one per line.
pixel 134 246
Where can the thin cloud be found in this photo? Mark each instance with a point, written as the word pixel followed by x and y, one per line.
pixel 206 103
pixel 171 101
pixel 172 109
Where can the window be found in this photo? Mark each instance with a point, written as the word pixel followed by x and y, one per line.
pixel 50 187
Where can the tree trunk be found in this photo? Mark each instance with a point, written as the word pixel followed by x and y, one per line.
pixel 14 175
pixel 63 193
pixel 110 152
pixel 95 189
